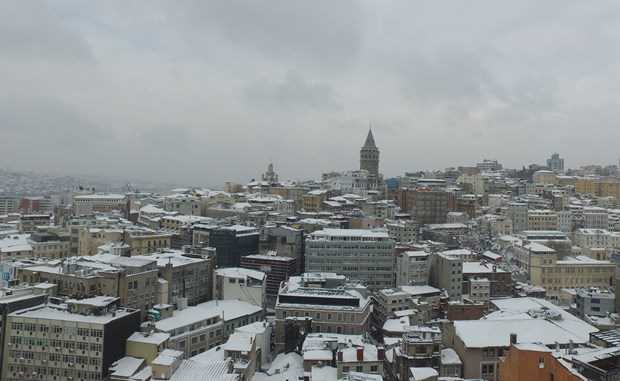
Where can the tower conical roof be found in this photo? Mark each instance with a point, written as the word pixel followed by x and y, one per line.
pixel 370 140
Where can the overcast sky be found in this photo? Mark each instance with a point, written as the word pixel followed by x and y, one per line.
pixel 207 91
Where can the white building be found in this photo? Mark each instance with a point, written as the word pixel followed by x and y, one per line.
pixel 235 283
pixel 361 255
pixel 595 218
pixel 412 268
pixel 402 230
pixel 479 290
pixel 99 202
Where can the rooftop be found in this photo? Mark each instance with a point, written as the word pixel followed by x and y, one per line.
pixel 47 312
pixel 341 233
pixel 240 273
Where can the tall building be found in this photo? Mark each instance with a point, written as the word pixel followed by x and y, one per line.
pixel 369 155
pixel 359 254
pixel 555 163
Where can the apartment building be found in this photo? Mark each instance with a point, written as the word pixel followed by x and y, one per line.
pixel 74 340
pixel 499 280
pixel 326 301
pixel 447 273
pixel 189 277
pixel 413 268
pixel 361 255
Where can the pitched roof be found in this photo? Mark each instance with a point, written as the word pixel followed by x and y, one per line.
pixel 370 140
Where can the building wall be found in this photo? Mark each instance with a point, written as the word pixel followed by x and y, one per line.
pixel 368 261
pixel 524 365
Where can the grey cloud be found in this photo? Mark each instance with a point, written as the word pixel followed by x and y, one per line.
pixel 207 91
pixel 31 30
pixel 292 93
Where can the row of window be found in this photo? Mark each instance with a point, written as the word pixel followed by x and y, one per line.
pixel 55 329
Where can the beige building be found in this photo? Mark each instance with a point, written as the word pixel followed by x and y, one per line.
pixel 542 219
pixel 146 345
pixel 545 177
pixel 143 242
pixel 570 272
pixel 90 239
pixel 105 202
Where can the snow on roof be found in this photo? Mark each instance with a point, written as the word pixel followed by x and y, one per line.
pixel 582 260
pixel 156 338
pixel 239 342
pixel 174 257
pixel 47 312
pixel 270 257
pixel 15 243
pixel 479 267
pixel 135 261
pixel 538 248
pixel 255 328
pixel 337 233
pixel 496 333
pixel 213 354
pixel 318 355
pixel 420 374
pixel 420 290
pixel 152 209
pixel 240 273
pixel 99 196
pixel 491 255
pixel 397 325
pixel 350 354
pixel 450 357
pixel 420 253
pixel 536 347
pixel 455 225
pixel 327 373
pixel 232 309
pixel 535 308
pixel 126 366
pixel 191 370
pixel 285 367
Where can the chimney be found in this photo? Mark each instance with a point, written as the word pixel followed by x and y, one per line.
pixel 381 353
pixel 360 354
pixel 340 357
pixel 513 338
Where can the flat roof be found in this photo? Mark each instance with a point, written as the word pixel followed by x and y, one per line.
pixel 366 233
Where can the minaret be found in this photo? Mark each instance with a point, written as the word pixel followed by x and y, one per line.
pixel 369 155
